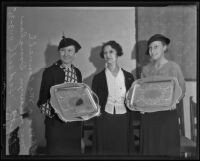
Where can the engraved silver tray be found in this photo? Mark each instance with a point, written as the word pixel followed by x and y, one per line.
pixel 74 101
pixel 153 94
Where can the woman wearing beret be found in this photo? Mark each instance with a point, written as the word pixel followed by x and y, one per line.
pixel 112 127
pixel 160 130
pixel 62 138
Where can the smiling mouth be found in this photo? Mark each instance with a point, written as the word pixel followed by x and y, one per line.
pixel 67 57
pixel 155 55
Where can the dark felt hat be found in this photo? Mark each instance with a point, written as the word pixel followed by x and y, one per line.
pixel 157 37
pixel 67 42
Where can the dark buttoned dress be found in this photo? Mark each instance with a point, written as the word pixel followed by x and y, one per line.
pixel 113 134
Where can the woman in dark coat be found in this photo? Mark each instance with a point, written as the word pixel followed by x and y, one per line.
pixel 62 138
pixel 112 127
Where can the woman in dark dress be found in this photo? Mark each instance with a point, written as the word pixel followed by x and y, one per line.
pixel 112 127
pixel 62 138
pixel 160 130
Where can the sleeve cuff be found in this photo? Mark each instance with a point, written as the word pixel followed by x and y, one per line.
pixel 47 110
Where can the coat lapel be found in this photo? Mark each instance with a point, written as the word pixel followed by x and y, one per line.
pixel 104 83
pixel 128 79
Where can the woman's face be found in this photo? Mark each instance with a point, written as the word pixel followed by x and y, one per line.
pixel 110 54
pixel 157 50
pixel 67 54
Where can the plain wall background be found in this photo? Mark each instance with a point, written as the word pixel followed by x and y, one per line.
pixel 33 34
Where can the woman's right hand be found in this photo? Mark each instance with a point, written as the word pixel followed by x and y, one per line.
pixel 130 106
pixel 47 109
pixel 127 102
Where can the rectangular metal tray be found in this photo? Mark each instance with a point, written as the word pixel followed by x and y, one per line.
pixel 154 94
pixel 72 100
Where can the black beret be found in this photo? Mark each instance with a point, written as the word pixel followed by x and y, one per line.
pixel 158 37
pixel 67 42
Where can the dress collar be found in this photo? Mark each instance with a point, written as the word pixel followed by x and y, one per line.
pixel 59 64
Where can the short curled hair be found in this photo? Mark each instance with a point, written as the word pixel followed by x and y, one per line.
pixel 114 45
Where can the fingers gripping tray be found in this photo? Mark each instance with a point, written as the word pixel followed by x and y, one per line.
pixel 74 101
pixel 153 94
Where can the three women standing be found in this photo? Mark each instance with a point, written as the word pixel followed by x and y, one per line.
pixel 113 129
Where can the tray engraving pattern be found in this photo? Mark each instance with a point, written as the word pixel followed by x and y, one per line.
pixel 159 94
pixel 74 101
pixel 153 94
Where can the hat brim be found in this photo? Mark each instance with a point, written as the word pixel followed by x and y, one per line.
pixel 163 39
pixel 67 42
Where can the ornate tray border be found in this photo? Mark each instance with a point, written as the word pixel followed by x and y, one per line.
pixel 177 92
pixel 58 110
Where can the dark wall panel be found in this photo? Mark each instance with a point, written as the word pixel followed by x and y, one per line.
pixel 179 23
